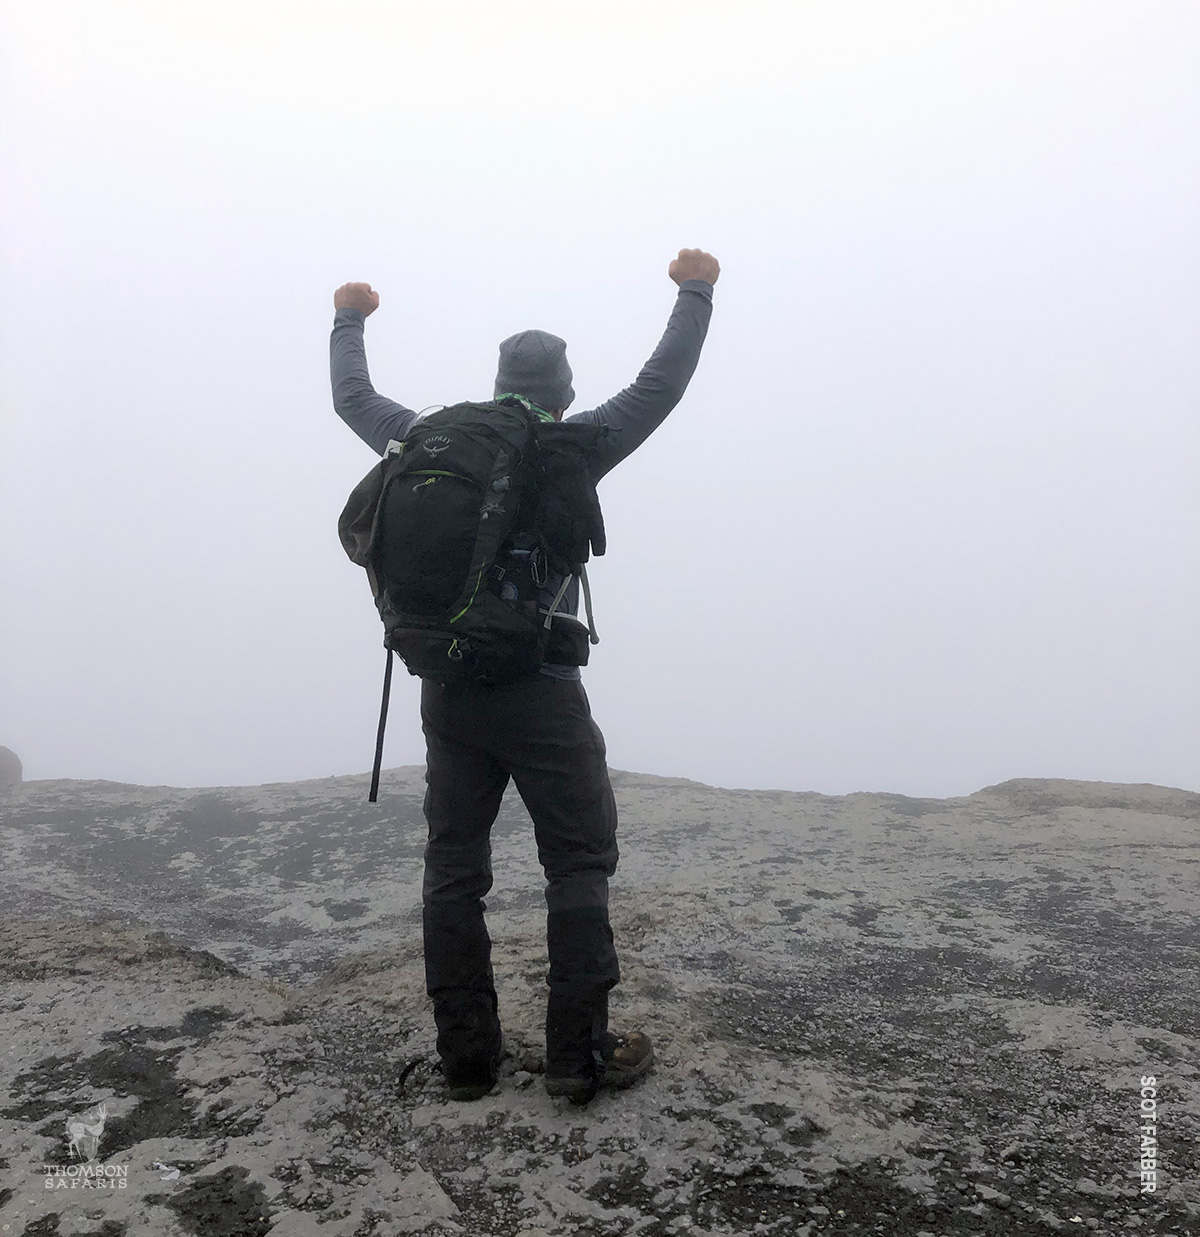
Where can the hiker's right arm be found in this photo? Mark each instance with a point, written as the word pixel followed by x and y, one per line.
pixel 373 417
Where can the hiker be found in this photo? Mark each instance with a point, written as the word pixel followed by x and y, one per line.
pixel 536 729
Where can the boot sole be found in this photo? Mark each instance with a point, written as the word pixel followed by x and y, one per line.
pixel 477 1090
pixel 465 1094
pixel 615 1079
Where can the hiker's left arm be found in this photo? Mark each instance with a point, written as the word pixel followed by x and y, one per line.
pixel 373 417
pixel 641 408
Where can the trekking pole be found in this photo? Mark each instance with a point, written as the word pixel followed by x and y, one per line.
pixel 387 691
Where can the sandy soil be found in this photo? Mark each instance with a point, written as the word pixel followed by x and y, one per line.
pixel 872 1014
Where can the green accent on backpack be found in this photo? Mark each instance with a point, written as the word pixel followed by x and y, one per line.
pixel 478 580
pixel 537 409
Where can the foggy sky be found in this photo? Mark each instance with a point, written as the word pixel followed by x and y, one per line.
pixel 927 518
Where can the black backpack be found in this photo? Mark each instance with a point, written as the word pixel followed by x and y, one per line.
pixel 459 526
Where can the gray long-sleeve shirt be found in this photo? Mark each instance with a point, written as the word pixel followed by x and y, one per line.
pixel 636 411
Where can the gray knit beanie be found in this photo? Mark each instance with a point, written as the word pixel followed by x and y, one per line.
pixel 534 364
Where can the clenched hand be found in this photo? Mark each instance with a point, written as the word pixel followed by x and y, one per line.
pixel 356 296
pixel 694 264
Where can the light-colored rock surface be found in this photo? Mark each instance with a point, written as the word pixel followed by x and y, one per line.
pixel 873 1014
pixel 10 768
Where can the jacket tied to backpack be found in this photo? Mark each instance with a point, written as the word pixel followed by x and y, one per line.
pixel 459 527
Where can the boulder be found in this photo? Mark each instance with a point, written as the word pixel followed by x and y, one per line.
pixel 10 768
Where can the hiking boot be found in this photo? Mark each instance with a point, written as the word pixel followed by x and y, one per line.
pixel 473 1077
pixel 626 1058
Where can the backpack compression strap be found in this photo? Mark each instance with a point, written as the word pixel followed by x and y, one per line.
pixel 587 601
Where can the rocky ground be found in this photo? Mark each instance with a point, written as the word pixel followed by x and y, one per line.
pixel 873 1014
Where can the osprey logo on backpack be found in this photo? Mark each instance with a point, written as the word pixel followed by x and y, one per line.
pixel 435 445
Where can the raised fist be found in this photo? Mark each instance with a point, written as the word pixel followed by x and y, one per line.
pixel 694 264
pixel 356 296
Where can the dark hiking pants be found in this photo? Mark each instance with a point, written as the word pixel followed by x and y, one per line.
pixel 538 731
